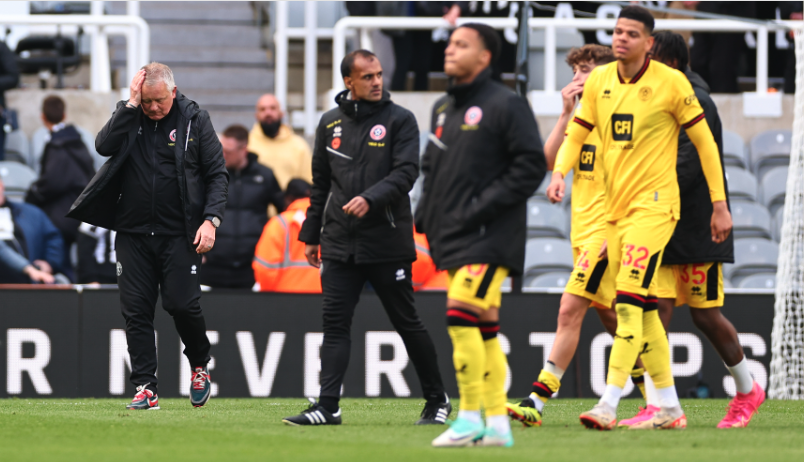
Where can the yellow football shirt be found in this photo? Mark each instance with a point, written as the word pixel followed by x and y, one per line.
pixel 588 190
pixel 638 122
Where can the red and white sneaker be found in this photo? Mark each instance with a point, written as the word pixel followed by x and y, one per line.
pixel 645 413
pixel 200 387
pixel 743 408
pixel 144 399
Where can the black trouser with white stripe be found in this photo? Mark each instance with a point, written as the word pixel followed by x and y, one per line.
pixel 342 284
pixel 147 263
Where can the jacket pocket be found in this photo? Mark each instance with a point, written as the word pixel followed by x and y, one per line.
pixel 324 214
pixel 390 215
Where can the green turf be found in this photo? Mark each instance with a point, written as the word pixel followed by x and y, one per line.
pixel 374 429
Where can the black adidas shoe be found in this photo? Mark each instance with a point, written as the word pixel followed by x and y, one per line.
pixel 435 412
pixel 314 415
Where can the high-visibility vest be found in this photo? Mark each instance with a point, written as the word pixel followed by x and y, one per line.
pixel 425 274
pixel 279 262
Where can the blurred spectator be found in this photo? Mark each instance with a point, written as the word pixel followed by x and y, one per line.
pixel 252 187
pixel 716 56
pixel 791 10
pixel 425 274
pixel 12 260
pixel 9 78
pixel 279 261
pixel 28 232
pixel 276 146
pixel 413 48
pixel 97 259
pixel 66 168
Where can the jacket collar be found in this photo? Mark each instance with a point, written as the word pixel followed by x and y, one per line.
pixel 187 107
pixel 638 75
pixel 465 91
pixel 361 109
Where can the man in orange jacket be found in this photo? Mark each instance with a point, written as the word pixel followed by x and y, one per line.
pixel 279 262
pixel 425 274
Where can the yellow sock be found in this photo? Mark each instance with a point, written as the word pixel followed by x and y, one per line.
pixel 627 343
pixel 656 350
pixel 638 377
pixel 549 380
pixel 494 396
pixel 469 358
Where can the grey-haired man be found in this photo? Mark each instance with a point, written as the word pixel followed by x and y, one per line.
pixel 164 191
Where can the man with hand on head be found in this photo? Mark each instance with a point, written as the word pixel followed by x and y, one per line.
pixel 164 191
pixel 364 165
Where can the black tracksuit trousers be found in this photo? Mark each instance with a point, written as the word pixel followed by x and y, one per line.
pixel 147 263
pixel 342 284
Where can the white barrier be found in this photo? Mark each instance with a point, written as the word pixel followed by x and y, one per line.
pixel 134 28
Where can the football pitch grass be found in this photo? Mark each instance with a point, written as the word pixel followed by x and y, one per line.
pixel 373 429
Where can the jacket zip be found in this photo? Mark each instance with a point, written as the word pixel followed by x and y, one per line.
pixel 153 182
pixel 390 216
pixel 324 215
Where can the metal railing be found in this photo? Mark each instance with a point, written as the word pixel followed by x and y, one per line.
pixel 757 104
pixel 133 27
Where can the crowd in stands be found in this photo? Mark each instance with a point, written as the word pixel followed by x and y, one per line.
pixel 257 245
pixel 270 175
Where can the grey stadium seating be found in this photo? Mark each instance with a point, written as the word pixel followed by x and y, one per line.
pixel 750 220
pixel 548 280
pixel 17 147
pixel 546 219
pixel 759 281
pixel 773 188
pixel 17 178
pixel 751 256
pixel 546 255
pixel 770 149
pixel 741 183
pixel 734 152
pixel 778 221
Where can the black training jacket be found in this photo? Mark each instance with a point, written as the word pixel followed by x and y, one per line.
pixel 251 191
pixel 200 167
pixel 692 239
pixel 483 161
pixel 370 150
pixel 66 168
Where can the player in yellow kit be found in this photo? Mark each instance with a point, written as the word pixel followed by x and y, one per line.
pixel 591 282
pixel 638 107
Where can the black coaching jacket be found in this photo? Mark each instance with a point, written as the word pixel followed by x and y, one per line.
pixel 692 238
pixel 370 150
pixel 483 161
pixel 200 167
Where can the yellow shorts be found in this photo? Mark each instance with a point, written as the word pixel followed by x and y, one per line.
pixel 591 278
pixel 699 285
pixel 635 245
pixel 478 285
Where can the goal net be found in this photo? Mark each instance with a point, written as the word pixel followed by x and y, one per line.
pixel 787 343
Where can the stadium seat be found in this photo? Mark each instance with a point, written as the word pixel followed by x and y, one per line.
pixel 546 255
pixel 734 152
pixel 778 221
pixel 770 149
pixel 773 189
pixel 741 183
pixel 548 280
pixel 751 256
pixel 38 141
pixel 759 281
pixel 17 147
pixel 546 220
pixel 750 220
pixel 17 178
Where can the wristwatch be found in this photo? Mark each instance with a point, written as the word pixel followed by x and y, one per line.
pixel 216 222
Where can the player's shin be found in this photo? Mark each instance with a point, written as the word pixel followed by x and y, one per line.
pixel 656 358
pixel 625 350
pixel 469 358
pixel 494 396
